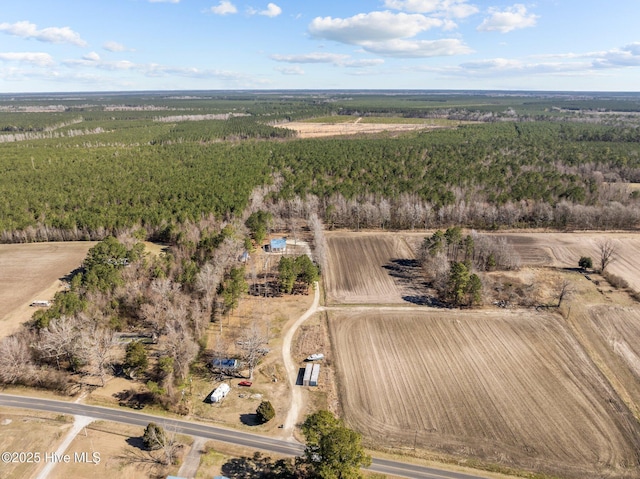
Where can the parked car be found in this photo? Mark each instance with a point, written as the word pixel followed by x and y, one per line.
pixel 245 383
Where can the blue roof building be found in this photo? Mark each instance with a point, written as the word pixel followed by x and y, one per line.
pixel 278 245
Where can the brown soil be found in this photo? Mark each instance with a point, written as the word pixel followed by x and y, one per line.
pixel 553 391
pixel 513 388
pixel 30 272
pixel 370 268
pixel 316 130
pixel 563 250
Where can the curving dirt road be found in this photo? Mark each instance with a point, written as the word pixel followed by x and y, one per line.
pixel 292 368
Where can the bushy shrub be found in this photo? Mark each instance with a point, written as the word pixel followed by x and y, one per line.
pixel 265 411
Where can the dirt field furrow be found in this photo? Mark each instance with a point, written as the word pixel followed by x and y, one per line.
pixel 30 272
pixel 514 389
pixel 370 268
pixel 565 249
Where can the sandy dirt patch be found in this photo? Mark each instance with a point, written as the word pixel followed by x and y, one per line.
pixel 508 387
pixel 30 272
pixel 317 130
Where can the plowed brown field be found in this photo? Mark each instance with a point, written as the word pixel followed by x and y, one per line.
pixel 513 388
pixel 30 272
pixel 370 268
pixel 565 249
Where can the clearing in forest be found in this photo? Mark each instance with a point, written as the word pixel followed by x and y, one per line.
pixel 339 128
pixel 513 388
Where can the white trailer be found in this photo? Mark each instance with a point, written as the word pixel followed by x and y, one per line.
pixel 41 304
pixel 220 393
pixel 315 375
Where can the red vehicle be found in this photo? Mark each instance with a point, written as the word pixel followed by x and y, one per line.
pixel 245 383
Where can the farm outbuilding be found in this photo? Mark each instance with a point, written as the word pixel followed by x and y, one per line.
pixel 278 245
pixel 315 375
pixel 226 364
pixel 307 374
pixel 220 393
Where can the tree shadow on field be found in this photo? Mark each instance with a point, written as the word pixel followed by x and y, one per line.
pixel 250 419
pixel 258 467
pixel 136 442
pixel 133 399
pixel 68 277
pixel 426 300
pixel 407 273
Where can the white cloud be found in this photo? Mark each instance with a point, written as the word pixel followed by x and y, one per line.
pixel 447 8
pixel 336 59
pixel 512 18
pixel 116 47
pixel 418 48
pixel 156 70
pixel 627 56
pixel 518 68
pixel 294 70
pixel 561 64
pixel 624 57
pixel 34 58
pixel 371 27
pixel 225 7
pixel 389 34
pixel 92 57
pixel 272 10
pixel 363 63
pixel 50 35
pixel 316 57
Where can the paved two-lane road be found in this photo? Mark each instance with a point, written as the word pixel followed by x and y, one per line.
pixel 231 436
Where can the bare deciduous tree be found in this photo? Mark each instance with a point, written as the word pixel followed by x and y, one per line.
pixel 208 279
pixel 608 251
pixel 97 351
pixel 564 288
pixel 252 342
pixel 59 340
pixel 179 345
pixel 16 364
pixel 319 241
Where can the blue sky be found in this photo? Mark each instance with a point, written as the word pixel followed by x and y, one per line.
pixel 113 45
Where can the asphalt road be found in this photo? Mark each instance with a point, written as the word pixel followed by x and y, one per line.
pixel 216 433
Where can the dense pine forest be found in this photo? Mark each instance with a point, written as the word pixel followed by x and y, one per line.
pixel 85 166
